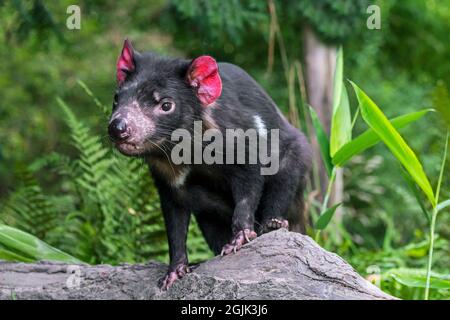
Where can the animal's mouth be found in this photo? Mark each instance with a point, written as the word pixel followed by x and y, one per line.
pixel 133 148
pixel 129 148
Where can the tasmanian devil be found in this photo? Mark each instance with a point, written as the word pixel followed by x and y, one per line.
pixel 232 201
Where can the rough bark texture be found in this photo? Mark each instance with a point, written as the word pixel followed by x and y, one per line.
pixel 320 60
pixel 277 265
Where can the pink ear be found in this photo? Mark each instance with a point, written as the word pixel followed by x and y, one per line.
pixel 203 75
pixel 125 63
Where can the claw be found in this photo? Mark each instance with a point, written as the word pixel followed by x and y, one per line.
pixel 275 224
pixel 240 238
pixel 180 271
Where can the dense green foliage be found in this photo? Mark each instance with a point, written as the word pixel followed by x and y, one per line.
pixel 61 182
pixel 107 207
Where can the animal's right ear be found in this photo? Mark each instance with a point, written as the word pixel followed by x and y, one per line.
pixel 126 62
pixel 203 76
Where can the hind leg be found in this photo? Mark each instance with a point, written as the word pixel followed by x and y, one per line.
pixel 281 205
pixel 276 201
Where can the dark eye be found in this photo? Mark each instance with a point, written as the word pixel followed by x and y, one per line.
pixel 167 106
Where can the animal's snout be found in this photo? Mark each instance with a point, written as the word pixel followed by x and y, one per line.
pixel 118 130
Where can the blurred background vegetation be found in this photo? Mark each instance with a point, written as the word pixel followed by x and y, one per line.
pixel 61 182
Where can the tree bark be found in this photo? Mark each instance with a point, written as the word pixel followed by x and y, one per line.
pixel 320 61
pixel 277 265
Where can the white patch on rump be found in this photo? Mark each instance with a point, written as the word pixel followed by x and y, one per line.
pixel 260 125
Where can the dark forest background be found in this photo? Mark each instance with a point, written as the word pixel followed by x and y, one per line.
pixel 60 180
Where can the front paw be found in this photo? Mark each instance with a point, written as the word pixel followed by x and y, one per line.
pixel 173 275
pixel 242 237
pixel 275 224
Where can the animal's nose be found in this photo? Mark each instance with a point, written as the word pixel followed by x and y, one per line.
pixel 118 130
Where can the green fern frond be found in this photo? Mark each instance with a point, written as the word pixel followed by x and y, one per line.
pixel 97 102
pixel 108 209
pixel 29 209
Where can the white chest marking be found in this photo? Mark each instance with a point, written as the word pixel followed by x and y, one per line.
pixel 180 179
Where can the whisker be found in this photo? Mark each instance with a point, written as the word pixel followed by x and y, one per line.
pixel 168 158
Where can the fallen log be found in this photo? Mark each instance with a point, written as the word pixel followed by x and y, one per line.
pixel 277 265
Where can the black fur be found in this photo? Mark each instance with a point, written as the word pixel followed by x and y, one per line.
pixel 224 198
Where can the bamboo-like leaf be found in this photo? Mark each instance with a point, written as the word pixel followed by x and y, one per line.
pixel 323 141
pixel 375 118
pixel 341 122
pixel 12 256
pixel 325 217
pixel 21 246
pixel 444 204
pixel 441 172
pixel 416 192
pixel 417 278
pixel 369 138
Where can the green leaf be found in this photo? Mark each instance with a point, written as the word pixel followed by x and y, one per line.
pixel 417 278
pixel 441 172
pixel 88 91
pixel 413 187
pixel 341 122
pixel 369 138
pixel 11 256
pixel 20 246
pixel 375 118
pixel 444 204
pixel 322 139
pixel 325 217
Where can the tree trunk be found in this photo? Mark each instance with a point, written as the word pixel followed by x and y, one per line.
pixel 320 63
pixel 277 265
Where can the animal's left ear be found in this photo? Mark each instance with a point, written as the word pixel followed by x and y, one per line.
pixel 125 62
pixel 203 76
